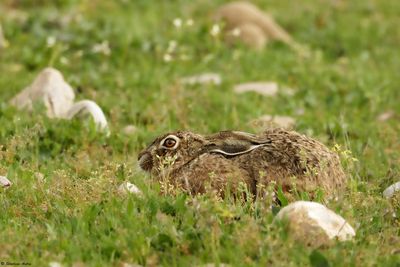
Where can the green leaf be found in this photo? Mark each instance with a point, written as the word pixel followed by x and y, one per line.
pixel 281 197
pixel 318 260
pixel 162 241
pixel 275 209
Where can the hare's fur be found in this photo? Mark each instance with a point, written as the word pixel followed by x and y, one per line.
pixel 225 159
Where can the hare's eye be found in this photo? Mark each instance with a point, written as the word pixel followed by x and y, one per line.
pixel 169 143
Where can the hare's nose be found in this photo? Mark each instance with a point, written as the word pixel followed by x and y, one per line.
pixel 141 154
pixel 145 161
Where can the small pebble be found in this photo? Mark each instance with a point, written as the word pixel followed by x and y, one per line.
pixel 125 264
pixel 4 182
pixel 55 264
pixel 266 121
pixel 385 115
pixel 128 187
pixel 391 190
pixel 205 78
pixel 262 88
pixel 129 129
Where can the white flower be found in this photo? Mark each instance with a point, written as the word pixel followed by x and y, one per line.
pixel 189 22
pixel 64 60
pixel 177 22
pixel 51 41
pixel 167 58
pixel 172 46
pixel 78 53
pixel 102 48
pixel 215 30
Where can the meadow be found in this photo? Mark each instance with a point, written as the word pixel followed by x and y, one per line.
pixel 64 205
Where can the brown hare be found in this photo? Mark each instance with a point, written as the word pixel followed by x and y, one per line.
pixel 223 160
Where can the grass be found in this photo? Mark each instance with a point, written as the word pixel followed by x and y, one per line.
pixel 64 205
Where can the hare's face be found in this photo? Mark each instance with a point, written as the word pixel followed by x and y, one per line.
pixel 170 151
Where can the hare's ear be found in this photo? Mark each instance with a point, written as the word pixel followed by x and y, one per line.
pixel 235 143
pixel 251 138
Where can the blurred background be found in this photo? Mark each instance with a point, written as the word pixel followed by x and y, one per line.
pixel 128 56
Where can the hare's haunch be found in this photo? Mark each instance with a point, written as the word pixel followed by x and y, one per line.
pixel 196 162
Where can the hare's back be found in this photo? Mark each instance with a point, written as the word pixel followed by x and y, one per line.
pixel 289 157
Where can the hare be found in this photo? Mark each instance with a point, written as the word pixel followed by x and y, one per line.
pixel 224 160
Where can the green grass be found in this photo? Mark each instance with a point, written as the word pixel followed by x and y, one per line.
pixel 75 214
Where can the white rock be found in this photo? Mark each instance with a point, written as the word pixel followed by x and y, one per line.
pixel 237 13
pixel 315 224
pixel 249 34
pixel 240 12
pixel 273 120
pixel 88 107
pixel 58 96
pixel 50 88
pixel 4 182
pixel 128 187
pixel 204 78
pixel 263 88
pixel 391 190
